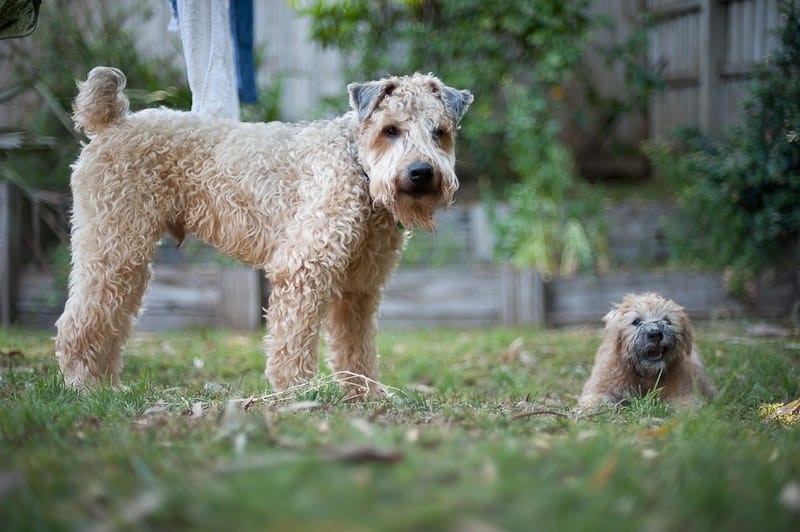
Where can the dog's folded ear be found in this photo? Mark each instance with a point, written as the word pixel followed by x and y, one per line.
pixel 612 317
pixel 456 102
pixel 365 97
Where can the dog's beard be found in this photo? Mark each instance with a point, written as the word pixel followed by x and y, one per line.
pixel 648 368
pixel 415 212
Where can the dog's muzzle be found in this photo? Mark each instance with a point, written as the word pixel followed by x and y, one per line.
pixel 419 179
pixel 652 348
pixel 653 343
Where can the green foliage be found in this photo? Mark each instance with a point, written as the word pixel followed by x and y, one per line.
pixel 742 192
pixel 546 226
pixel 492 48
pixel 516 57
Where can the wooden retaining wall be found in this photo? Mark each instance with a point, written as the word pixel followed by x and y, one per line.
pixel 179 297
pixel 192 296
pixel 504 296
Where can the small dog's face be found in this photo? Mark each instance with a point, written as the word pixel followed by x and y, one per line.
pixel 407 129
pixel 652 333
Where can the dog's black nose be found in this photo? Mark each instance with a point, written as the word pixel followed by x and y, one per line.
pixel 655 335
pixel 420 172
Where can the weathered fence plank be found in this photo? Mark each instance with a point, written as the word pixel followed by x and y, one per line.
pixel 39 302
pixel 522 297
pixel 708 49
pixel 9 250
pixel 435 297
pixel 241 302
pixel 179 297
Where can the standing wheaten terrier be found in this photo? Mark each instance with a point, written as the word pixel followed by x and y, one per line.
pixel 318 206
pixel 647 345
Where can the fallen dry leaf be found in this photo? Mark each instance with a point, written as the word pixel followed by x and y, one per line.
pixel 156 409
pixel 660 431
pixel 299 406
pixel 604 472
pixel 785 414
pixel 364 454
pixel 197 410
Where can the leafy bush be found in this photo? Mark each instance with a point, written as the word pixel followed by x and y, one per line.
pixel 515 56
pixel 742 192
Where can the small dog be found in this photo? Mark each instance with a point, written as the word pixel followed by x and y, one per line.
pixel 647 345
pixel 319 206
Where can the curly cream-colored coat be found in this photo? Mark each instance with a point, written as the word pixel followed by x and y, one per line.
pixel 316 205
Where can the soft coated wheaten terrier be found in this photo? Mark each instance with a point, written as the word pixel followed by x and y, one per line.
pixel 647 345
pixel 318 206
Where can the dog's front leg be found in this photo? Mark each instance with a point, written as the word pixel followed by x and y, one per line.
pixel 296 305
pixel 351 342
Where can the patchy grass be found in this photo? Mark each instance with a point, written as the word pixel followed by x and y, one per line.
pixel 477 434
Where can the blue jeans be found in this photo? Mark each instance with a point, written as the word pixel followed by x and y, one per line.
pixel 241 12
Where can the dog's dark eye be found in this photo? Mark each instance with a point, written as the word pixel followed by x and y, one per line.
pixel 391 131
pixel 666 320
pixel 637 322
pixel 438 132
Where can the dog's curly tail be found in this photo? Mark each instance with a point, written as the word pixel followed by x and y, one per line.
pixel 100 102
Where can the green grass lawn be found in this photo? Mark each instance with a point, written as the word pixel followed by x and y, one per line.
pixel 477 435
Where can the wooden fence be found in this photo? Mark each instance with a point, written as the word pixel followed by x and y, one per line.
pixel 708 49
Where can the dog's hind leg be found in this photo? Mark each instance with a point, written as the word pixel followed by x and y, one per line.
pixel 110 272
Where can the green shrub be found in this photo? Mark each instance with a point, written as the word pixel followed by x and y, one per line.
pixel 515 56
pixel 741 193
